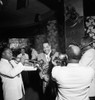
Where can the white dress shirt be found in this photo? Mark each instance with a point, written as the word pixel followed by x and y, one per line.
pixel 88 59
pixel 24 57
pixel 73 81
pixel 47 57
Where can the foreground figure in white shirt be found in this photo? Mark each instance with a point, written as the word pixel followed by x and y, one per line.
pixel 73 80
pixel 10 73
pixel 88 60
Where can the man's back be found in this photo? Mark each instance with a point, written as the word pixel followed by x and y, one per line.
pixel 73 81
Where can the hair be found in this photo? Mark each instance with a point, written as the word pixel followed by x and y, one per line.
pixel 2 50
pixel 46 42
pixel 86 41
pixel 73 52
pixel 23 48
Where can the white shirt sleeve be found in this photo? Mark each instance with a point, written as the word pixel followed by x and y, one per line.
pixel 55 72
pixel 18 68
pixel 88 58
pixel 26 67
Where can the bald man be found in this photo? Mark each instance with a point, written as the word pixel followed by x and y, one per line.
pixel 73 80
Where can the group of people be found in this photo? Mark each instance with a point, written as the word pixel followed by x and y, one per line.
pixel 69 76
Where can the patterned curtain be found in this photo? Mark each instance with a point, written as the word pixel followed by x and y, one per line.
pixel 89 24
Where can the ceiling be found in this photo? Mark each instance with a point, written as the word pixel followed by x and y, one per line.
pixel 89 7
pixel 16 22
pixel 10 16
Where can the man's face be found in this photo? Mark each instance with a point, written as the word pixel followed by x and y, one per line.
pixel 22 51
pixel 7 54
pixel 46 48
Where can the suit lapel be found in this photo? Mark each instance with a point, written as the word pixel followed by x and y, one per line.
pixel 45 58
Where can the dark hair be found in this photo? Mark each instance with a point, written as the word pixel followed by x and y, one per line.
pixel 2 50
pixel 47 43
pixel 86 41
pixel 72 54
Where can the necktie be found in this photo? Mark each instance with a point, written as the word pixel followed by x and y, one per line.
pixel 48 58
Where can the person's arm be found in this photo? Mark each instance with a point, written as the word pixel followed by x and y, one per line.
pixel 27 67
pixel 34 54
pixel 88 58
pixel 55 55
pixel 18 68
pixel 55 72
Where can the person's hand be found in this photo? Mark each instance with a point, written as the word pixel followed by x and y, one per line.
pixel 46 78
pixel 22 61
pixel 54 62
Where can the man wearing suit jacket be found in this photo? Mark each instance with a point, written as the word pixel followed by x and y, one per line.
pixel 10 73
pixel 47 55
pixel 73 80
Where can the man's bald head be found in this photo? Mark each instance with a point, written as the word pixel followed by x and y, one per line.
pixel 74 52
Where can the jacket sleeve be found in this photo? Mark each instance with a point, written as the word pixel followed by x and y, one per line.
pixel 18 68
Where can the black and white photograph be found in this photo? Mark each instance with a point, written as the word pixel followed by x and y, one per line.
pixel 47 50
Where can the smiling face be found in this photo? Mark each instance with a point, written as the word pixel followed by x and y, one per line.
pixel 46 48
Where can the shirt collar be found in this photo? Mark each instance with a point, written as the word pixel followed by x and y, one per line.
pixel 72 64
pixel 2 59
pixel 48 54
pixel 22 54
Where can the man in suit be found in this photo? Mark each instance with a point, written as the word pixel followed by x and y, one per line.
pixel 73 80
pixel 10 73
pixel 47 55
pixel 88 59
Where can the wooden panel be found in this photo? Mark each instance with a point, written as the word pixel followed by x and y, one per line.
pixel 74 21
